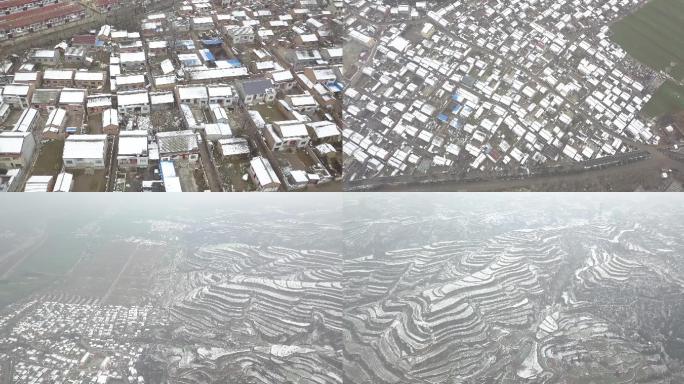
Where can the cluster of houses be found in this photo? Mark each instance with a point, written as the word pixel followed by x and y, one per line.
pixel 23 17
pixel 201 62
pixel 483 89
pixel 102 355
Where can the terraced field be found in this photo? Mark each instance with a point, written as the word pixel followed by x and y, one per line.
pixel 589 301
pixel 257 315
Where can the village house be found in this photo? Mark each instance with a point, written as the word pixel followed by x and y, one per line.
pixel 74 55
pixel 98 103
pixel 133 149
pixel 130 82
pixel 133 102
pixel 224 95
pixel 324 132
pixel 45 57
pixel 27 120
pixel 234 148
pixel 54 125
pixel 85 151
pixel 89 80
pixel 110 121
pixel 239 34
pixel 45 99
pixel 178 145
pixel 161 101
pixel 38 19
pixel 286 135
pixel 32 78
pixel 64 182
pixel 283 81
pixel 72 99
pixel 262 175
pixel 132 61
pixel 16 149
pixel 17 95
pixel 58 78
pixel 256 91
pixel 192 95
pixel 17 6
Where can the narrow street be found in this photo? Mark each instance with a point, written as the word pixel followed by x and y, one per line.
pixel 213 178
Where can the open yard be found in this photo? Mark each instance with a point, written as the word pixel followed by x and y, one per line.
pixel 231 172
pixel 84 182
pixel 653 35
pixel 49 158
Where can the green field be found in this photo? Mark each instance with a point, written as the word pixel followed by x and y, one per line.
pixel 654 35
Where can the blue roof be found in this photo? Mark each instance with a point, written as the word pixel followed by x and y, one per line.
pixel 458 97
pixel 443 117
pixel 167 169
pixel 235 62
pixel 208 56
pixel 212 42
pixel 336 87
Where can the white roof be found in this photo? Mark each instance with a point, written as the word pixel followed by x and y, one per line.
pixel 197 92
pixel 26 76
pixel 172 184
pixel 164 80
pixel 263 171
pixel 218 130
pixel 28 116
pixel 224 90
pixel 234 146
pixel 218 73
pixel 37 183
pixel 132 98
pixel 293 130
pixel 16 90
pixel 44 53
pixel 157 44
pixel 324 129
pixel 133 142
pixel 130 79
pixel 56 118
pixel 72 96
pixel 166 66
pixel 282 76
pixel 58 74
pixel 131 57
pixel 84 147
pixel 202 20
pixel 110 117
pixel 12 142
pixel 101 100
pixel 88 76
pixel 63 182
pixel 161 98
pixel 299 100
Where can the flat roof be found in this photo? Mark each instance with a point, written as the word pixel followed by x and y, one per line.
pixel 133 142
pixel 12 142
pixel 84 147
